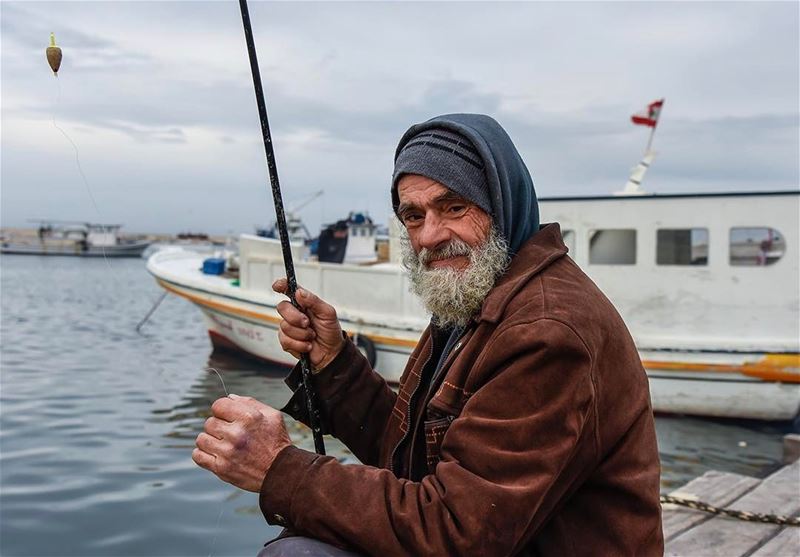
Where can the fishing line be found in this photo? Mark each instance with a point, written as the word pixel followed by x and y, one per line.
pixel 78 163
pixel 148 360
pixel 220 378
pixel 216 528
pixel 141 355
pixel 222 505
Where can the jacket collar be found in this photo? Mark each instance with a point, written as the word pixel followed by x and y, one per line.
pixel 536 253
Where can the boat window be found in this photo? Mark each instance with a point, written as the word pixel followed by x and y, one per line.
pixel 754 246
pixel 682 246
pixel 612 247
pixel 569 240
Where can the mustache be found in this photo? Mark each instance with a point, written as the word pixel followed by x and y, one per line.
pixel 454 248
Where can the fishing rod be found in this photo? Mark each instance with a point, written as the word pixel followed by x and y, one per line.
pixel 305 367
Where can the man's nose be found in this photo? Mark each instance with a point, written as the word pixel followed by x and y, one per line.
pixel 433 234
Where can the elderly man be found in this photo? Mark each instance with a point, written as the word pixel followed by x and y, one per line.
pixel 522 425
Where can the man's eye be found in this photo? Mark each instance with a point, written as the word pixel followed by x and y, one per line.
pixel 411 217
pixel 456 208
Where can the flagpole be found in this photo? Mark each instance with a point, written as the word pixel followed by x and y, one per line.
pixel 655 124
pixel 650 141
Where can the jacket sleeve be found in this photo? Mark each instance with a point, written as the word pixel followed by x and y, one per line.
pixel 505 462
pixel 354 402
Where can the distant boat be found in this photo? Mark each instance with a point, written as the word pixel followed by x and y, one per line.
pixel 350 240
pixel 198 242
pixel 295 226
pixel 78 239
pixel 707 284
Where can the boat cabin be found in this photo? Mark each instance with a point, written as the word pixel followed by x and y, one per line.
pixel 686 270
pixel 350 240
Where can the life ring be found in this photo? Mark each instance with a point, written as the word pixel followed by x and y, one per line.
pixel 366 347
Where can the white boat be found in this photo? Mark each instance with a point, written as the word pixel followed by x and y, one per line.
pixel 707 284
pixel 709 287
pixel 80 239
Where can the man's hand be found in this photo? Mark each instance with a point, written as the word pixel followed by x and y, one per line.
pixel 316 332
pixel 240 441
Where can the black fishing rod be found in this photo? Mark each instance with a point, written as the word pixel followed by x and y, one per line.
pixel 313 412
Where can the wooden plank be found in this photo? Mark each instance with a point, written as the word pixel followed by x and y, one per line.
pixel 724 537
pixel 791 447
pixel 787 542
pixel 713 487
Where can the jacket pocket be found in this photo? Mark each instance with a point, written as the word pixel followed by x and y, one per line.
pixel 434 433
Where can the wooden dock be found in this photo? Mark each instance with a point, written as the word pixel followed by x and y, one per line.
pixel 689 532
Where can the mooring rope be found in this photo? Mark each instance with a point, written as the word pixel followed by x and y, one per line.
pixel 741 515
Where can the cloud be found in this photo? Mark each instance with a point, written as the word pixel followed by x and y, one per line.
pixel 159 98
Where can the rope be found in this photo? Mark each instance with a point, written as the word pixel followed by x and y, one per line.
pixel 741 515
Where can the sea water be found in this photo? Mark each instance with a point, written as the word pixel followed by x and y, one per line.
pixel 97 421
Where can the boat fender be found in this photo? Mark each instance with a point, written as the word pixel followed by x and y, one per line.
pixel 366 346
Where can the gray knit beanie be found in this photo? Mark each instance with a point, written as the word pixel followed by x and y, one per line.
pixel 450 159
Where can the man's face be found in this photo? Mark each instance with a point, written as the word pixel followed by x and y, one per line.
pixel 434 216
pixel 450 249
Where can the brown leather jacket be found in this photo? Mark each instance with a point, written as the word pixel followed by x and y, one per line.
pixel 538 440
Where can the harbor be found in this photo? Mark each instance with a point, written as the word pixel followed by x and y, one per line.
pixel 98 421
pixel 555 248
pixel 710 302
pixel 762 515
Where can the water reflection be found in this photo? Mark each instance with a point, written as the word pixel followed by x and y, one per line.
pixel 690 446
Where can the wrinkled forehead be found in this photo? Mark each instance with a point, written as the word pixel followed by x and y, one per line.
pixel 420 191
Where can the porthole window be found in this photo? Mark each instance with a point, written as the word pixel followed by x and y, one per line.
pixel 756 247
pixel 682 246
pixel 569 240
pixel 612 247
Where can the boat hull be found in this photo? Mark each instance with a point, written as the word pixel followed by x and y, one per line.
pixel 710 384
pixel 733 396
pixel 252 329
pixel 709 371
pixel 121 250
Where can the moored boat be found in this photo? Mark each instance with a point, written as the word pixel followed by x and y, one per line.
pixel 78 239
pixel 706 283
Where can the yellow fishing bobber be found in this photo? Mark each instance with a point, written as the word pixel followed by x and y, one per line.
pixel 53 55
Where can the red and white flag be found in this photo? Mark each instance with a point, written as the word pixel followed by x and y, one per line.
pixel 648 116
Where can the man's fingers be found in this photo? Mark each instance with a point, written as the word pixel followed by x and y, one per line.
pixel 293 315
pixel 293 346
pixel 264 409
pixel 230 410
pixel 307 300
pixel 203 459
pixel 208 444
pixel 297 333
pixel 280 286
pixel 215 427
pixel 316 305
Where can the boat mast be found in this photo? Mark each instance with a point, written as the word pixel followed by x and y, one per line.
pixel 634 184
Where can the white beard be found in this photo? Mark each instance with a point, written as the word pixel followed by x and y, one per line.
pixel 453 296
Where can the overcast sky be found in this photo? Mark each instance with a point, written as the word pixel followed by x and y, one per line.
pixel 158 99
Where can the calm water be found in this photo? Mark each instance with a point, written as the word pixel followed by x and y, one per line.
pixel 97 422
